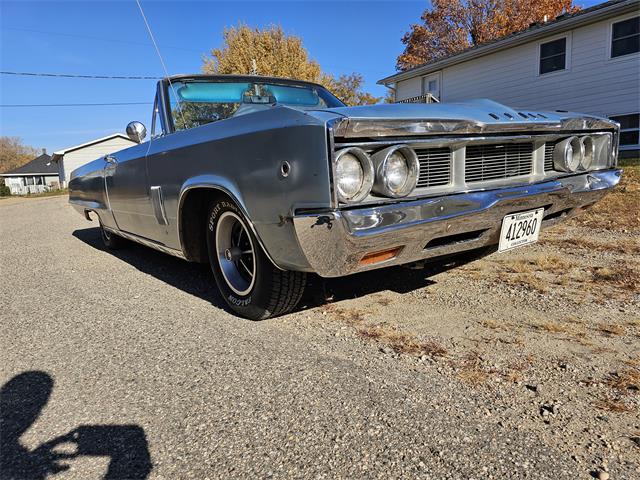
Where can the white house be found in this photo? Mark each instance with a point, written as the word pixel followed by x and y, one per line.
pixel 584 62
pixel 37 176
pixel 73 157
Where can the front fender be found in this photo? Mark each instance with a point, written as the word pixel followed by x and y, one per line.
pixel 229 188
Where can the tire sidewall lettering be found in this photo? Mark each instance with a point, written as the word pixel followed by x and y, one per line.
pixel 239 302
pixel 219 208
pixel 216 212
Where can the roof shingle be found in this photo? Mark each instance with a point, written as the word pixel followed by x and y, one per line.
pixel 41 164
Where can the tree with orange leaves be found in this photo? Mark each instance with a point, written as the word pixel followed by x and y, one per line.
pixel 451 26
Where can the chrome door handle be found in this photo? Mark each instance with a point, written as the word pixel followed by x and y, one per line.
pixel 111 159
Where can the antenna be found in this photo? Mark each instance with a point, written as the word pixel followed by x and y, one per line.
pixel 164 67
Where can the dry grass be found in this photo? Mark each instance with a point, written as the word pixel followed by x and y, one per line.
pixel 515 370
pixel 582 340
pixel 539 263
pixel 613 405
pixel 349 316
pixel 536 272
pixel 625 381
pixel 399 341
pixel 611 329
pixel 552 326
pixel 384 301
pixel 489 323
pixel 402 342
pixel 620 245
pixel 621 275
pixel 471 371
pixel 614 212
pixel 473 375
pixel 530 281
pixel 633 362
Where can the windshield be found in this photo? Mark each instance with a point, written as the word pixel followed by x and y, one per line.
pixel 197 102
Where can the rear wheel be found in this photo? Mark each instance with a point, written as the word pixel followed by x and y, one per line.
pixel 250 284
pixel 111 240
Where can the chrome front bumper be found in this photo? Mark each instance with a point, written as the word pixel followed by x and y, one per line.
pixel 335 242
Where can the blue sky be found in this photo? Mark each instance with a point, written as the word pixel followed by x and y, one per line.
pixel 109 38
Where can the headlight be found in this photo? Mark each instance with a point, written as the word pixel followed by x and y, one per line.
pixel 397 170
pixel 587 153
pixel 603 152
pixel 568 154
pixel 354 175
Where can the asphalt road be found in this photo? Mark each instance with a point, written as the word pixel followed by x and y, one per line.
pixel 128 362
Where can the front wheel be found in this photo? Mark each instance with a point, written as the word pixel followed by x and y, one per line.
pixel 250 284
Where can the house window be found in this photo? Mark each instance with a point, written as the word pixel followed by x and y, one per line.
pixel 629 129
pixel 430 85
pixel 553 56
pixel 625 37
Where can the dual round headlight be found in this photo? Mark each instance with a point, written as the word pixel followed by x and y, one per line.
pixel 397 170
pixel 574 153
pixel 354 175
pixel 392 172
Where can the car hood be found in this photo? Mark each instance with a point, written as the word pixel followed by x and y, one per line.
pixel 480 110
pixel 470 117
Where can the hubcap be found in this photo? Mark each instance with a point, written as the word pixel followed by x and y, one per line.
pixel 235 252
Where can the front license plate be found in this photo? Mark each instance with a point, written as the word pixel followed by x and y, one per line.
pixel 520 229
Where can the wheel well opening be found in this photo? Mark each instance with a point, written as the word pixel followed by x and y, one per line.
pixel 193 222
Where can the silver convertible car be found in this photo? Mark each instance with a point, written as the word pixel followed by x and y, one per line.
pixel 267 179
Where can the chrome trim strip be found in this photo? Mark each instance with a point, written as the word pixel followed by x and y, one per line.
pixel 452 141
pixel 335 241
pixel 354 127
pixel 158 205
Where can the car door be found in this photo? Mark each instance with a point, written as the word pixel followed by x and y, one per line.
pixel 127 187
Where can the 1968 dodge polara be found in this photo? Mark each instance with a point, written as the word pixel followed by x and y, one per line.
pixel 267 179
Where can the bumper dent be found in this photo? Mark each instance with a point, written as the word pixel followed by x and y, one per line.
pixel 335 242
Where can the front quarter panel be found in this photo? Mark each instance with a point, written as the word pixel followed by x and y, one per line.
pixel 243 156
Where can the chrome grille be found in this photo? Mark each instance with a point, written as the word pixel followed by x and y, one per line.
pixel 496 161
pixel 548 156
pixel 435 166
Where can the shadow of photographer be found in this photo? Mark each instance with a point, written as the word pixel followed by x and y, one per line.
pixel 22 399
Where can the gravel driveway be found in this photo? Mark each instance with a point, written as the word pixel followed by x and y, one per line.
pixel 128 362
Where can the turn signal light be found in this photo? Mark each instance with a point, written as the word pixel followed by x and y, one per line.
pixel 377 257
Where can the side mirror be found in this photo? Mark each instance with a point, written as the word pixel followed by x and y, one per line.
pixel 136 131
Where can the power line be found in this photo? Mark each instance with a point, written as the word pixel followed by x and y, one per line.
pixel 164 67
pixel 17 105
pixel 72 75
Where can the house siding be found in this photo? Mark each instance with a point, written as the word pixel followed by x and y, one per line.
pixel 593 83
pixel 84 155
pixel 409 88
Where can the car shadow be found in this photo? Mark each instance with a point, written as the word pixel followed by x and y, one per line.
pixel 197 279
pixel 23 398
